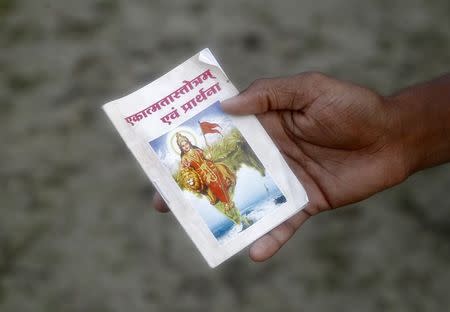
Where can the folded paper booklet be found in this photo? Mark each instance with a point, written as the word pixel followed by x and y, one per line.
pixel 221 175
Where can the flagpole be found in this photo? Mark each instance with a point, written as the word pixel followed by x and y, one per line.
pixel 204 137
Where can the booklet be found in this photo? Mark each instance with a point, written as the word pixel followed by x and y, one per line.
pixel 221 175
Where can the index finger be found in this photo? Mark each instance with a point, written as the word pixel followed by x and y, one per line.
pixel 159 204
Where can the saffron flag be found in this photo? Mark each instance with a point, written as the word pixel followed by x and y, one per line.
pixel 209 127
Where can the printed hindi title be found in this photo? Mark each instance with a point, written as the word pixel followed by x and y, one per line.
pixel 167 101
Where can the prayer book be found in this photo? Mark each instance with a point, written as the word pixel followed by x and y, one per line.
pixel 221 175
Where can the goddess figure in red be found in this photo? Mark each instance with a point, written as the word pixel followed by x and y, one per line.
pixel 215 180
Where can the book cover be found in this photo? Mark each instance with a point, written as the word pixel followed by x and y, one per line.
pixel 221 175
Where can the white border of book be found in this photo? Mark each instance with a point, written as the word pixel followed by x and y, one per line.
pixel 258 139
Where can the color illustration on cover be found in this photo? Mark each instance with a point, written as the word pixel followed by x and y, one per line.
pixel 218 172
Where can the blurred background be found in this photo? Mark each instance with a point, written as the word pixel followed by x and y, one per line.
pixel 77 230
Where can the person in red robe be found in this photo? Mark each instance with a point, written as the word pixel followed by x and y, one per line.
pixel 202 175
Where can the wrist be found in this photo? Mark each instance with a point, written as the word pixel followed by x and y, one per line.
pixel 421 127
pixel 405 135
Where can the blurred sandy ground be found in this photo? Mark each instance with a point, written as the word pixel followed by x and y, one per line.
pixel 77 232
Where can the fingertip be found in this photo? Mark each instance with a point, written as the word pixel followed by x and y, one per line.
pixel 262 249
pixel 159 204
pixel 231 105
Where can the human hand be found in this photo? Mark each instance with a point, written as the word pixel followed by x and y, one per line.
pixel 185 163
pixel 339 139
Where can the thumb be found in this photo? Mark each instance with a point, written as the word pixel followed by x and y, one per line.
pixel 286 93
pixel 258 98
